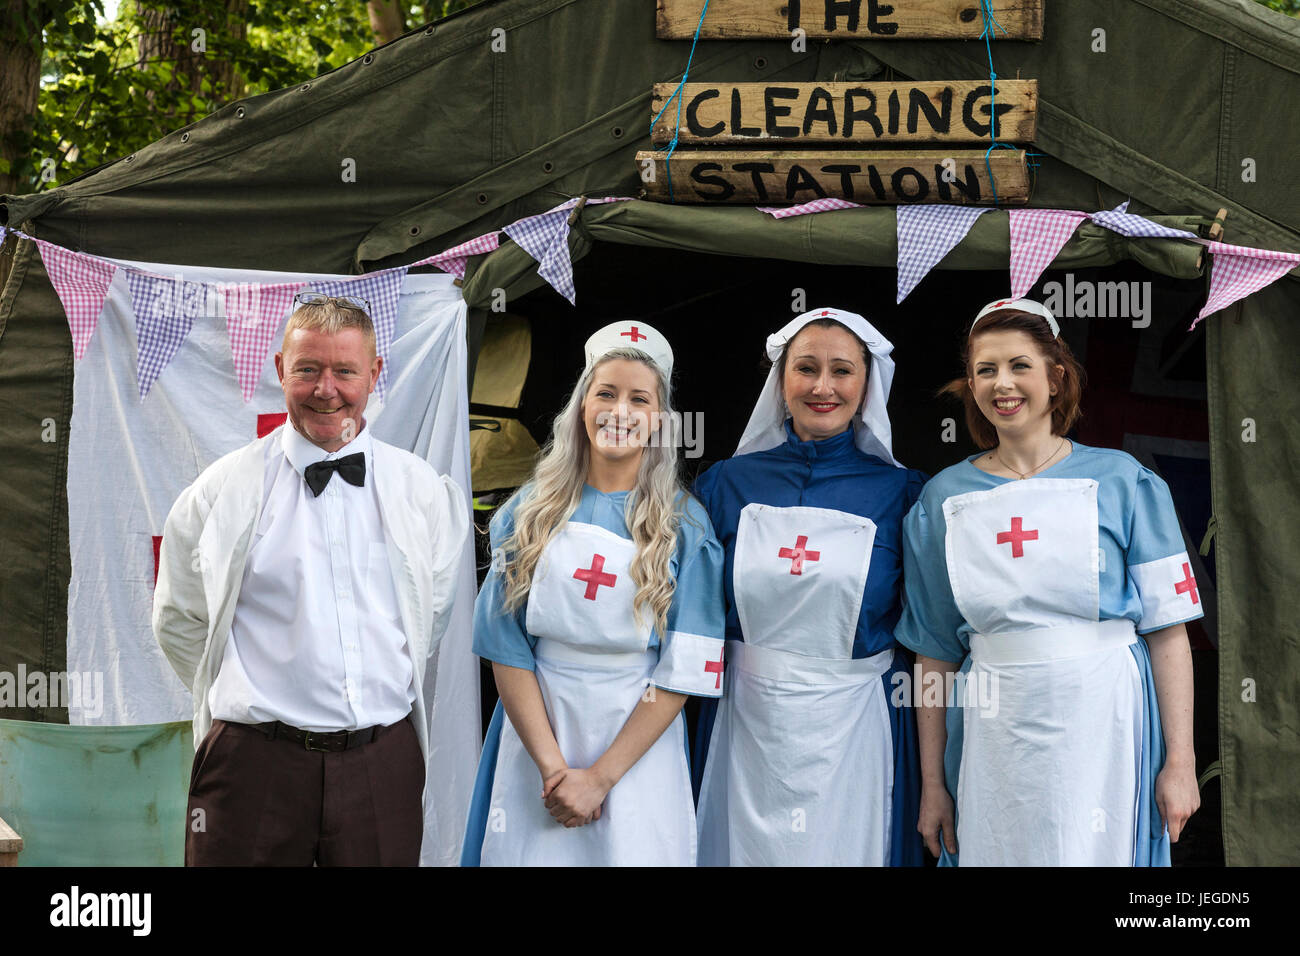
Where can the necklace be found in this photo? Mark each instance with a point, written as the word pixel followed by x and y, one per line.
pixel 1022 475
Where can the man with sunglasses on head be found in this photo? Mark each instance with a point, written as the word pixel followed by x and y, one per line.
pixel 304 581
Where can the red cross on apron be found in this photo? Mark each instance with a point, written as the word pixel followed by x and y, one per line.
pixel 715 667
pixel 595 576
pixel 636 335
pixel 1017 537
pixel 1187 584
pixel 799 553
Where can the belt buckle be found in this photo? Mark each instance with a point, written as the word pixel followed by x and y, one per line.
pixel 306 741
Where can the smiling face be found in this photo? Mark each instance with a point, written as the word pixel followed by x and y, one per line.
pixel 1012 383
pixel 327 380
pixel 619 409
pixel 824 381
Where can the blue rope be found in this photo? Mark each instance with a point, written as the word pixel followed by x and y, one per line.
pixel 986 9
pixel 677 95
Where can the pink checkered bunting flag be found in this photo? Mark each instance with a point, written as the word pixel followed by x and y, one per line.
pixel 1037 235
pixel 1237 271
pixel 82 283
pixel 165 309
pixel 253 316
pixel 925 235
pixel 455 259
pixel 382 290
pixel 803 209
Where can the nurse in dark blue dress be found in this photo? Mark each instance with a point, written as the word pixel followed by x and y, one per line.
pixel 810 758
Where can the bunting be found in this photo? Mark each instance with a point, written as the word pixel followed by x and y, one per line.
pixel 81 282
pixel 381 290
pixel 1136 227
pixel 165 309
pixel 545 237
pixel 1237 271
pixel 803 209
pixel 1037 235
pixel 253 315
pixel 455 259
pixel 926 233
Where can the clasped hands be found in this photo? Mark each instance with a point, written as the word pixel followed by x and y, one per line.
pixel 575 797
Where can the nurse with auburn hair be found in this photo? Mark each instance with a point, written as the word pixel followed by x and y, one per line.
pixel 1049 583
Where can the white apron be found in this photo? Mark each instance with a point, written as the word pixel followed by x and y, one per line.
pixel 592 665
pixel 1052 714
pixel 801 759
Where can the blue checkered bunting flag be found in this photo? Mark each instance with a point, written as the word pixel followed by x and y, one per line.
pixel 382 290
pixel 925 235
pixel 545 237
pixel 165 309
pixel 1136 227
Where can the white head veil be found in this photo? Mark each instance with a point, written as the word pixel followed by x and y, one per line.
pixel 871 429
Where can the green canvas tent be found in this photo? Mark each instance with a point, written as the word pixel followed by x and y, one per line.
pixel 451 139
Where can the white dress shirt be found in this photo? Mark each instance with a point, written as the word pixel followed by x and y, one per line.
pixel 316 640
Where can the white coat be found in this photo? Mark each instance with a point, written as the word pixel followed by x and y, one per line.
pixel 209 531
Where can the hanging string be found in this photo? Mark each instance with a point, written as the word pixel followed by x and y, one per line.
pixel 677 95
pixel 986 9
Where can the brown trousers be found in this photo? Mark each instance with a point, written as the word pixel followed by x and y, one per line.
pixel 261 802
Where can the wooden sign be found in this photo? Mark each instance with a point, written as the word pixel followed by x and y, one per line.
pixel 877 177
pixel 847 19
pixel 768 114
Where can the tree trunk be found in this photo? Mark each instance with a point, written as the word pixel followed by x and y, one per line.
pixel 166 35
pixel 20 83
pixel 387 20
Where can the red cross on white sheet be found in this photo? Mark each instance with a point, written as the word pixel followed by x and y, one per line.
pixel 1017 537
pixel 799 553
pixel 715 667
pixel 636 334
pixel 595 576
pixel 1187 584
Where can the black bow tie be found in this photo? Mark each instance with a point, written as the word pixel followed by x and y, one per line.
pixel 351 468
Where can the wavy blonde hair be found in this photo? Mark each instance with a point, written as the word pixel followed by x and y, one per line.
pixel 653 512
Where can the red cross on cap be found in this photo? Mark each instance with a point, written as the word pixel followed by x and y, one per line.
pixel 826 312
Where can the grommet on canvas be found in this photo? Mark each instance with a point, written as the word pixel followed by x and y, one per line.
pixel 185 137
pixel 429 31
pixel 617 132
pixel 482 199
pixel 414 230
pixel 368 59
pixel 548 166
pixel 240 112
pixel 760 63
pixel 304 88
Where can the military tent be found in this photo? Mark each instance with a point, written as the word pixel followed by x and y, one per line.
pixel 453 133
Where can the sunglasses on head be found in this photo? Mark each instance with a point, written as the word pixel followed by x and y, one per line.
pixel 342 301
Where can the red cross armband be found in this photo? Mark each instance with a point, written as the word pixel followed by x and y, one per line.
pixel 690 664
pixel 1168 591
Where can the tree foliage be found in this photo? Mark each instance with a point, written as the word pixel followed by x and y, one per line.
pixel 109 88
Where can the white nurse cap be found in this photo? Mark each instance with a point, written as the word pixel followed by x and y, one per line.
pixel 1019 305
pixel 871 429
pixel 630 335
